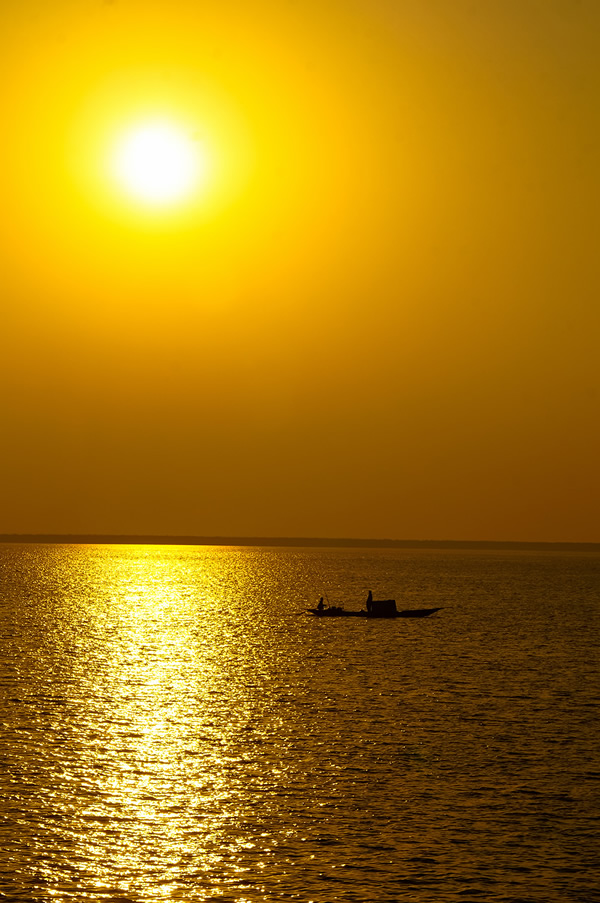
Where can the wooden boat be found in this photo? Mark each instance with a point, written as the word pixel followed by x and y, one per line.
pixel 336 611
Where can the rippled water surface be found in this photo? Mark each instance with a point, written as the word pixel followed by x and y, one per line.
pixel 174 727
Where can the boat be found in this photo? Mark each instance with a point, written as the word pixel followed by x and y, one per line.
pixel 379 610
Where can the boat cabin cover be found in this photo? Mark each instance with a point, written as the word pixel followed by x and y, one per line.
pixel 383 608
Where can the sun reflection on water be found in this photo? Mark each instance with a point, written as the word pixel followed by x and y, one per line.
pixel 154 726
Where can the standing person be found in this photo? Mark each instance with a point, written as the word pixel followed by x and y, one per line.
pixel 320 606
pixel 369 602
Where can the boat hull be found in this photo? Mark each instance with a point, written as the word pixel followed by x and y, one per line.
pixel 335 612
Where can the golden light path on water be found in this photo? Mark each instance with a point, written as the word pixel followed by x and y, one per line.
pixel 176 700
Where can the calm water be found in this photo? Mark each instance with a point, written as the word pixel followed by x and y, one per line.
pixel 173 728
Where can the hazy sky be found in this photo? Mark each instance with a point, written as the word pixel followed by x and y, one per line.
pixel 380 316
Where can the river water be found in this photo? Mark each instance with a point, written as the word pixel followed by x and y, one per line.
pixel 173 726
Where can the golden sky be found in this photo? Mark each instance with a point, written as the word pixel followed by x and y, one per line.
pixel 376 316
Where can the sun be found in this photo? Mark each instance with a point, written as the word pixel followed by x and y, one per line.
pixel 158 163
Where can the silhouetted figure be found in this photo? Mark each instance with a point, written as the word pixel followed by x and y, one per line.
pixel 370 602
pixel 321 604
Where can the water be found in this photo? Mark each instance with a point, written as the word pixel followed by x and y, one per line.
pixel 174 728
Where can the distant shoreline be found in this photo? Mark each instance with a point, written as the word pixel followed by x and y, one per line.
pixel 302 542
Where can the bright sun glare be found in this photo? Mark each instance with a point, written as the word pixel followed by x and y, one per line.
pixel 158 163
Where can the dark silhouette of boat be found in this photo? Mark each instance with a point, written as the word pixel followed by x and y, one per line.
pixel 379 608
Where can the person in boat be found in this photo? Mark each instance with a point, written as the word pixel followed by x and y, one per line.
pixel 369 602
pixel 321 604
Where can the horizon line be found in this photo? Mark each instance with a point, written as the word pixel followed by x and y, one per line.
pixel 315 542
